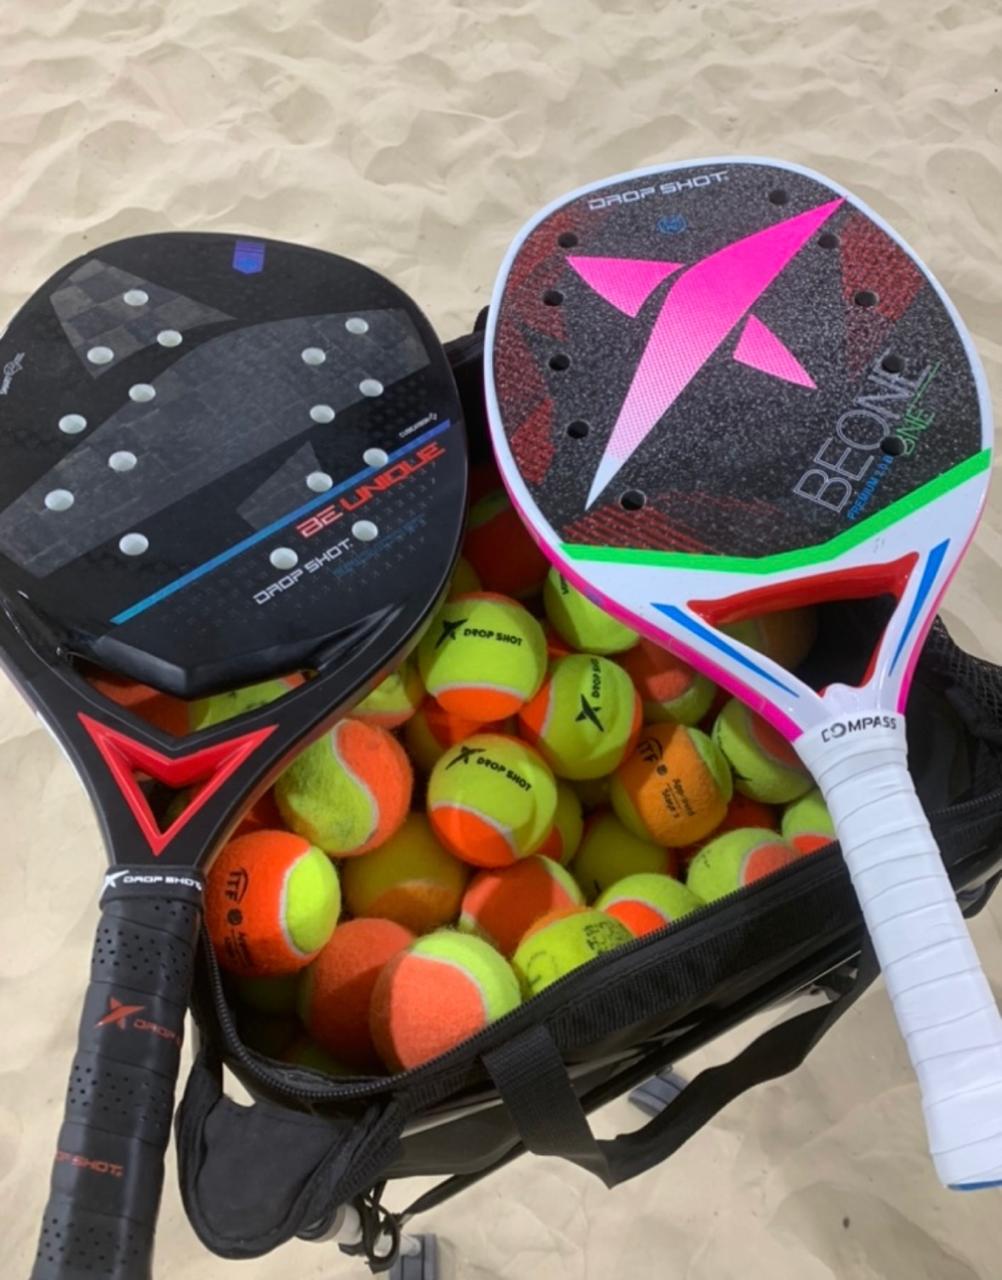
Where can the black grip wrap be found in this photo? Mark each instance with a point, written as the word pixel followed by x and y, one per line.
pixel 109 1168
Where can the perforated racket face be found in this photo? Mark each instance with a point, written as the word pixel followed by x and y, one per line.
pixel 220 455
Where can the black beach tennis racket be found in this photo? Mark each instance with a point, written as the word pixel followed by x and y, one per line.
pixel 221 460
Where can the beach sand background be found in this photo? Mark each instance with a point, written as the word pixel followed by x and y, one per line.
pixel 418 135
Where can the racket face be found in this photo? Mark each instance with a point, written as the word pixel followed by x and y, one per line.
pixel 730 385
pixel 220 456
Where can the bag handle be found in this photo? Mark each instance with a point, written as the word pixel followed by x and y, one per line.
pixel 535 1086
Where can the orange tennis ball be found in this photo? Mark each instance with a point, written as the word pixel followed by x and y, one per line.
pixel 674 786
pixel 443 989
pixel 335 993
pixel 271 902
pixel 500 550
pixel 737 859
pixel 432 730
pixel 669 688
pixel 568 827
pixel 410 879
pixel 349 791
pixel 499 906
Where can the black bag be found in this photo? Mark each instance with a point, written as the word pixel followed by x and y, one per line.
pixel 254 1176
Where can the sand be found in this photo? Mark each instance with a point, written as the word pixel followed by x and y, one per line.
pixel 418 136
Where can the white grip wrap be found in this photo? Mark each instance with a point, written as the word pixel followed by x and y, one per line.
pixel 943 1003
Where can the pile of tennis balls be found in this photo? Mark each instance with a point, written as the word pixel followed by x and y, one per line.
pixel 535 786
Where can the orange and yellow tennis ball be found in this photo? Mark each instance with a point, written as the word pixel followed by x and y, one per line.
pixel 443 989
pixel 394 700
pixel 335 993
pixel 786 636
pixel 563 941
pixel 608 852
pixel 491 800
pixel 349 791
pixel 669 688
pixel 765 765
pixel 647 903
pixel 433 730
pixel 807 824
pixel 673 788
pixel 568 827
pixel 483 656
pixel 581 624
pixel 585 717
pixel 500 550
pixel 500 906
pixel 410 878
pixel 271 902
pixel 735 860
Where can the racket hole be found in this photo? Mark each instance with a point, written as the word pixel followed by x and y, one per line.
pixel 357 325
pixel 375 457
pixel 893 445
pixel 283 558
pixel 633 500
pixel 135 297
pixel 134 544
pixel 865 298
pixel 122 460
pixel 142 392
pixel 364 530
pixel 370 387
pixel 72 423
pixel 828 240
pixel 59 500
pixel 322 413
pixel 778 196
pixel 578 429
pixel 553 297
pixel 567 239
pixel 560 362
pixel 892 364
pixel 100 355
pixel 313 356
pixel 319 481
pixel 169 338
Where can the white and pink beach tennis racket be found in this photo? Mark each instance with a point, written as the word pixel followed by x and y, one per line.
pixel 727 387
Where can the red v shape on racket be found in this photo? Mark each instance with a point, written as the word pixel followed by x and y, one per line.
pixel 222 461
pixel 727 387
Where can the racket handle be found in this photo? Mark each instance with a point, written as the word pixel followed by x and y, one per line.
pixel 942 1000
pixel 109 1165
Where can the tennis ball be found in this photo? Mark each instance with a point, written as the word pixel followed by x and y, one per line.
pixel 271 902
pixel 483 657
pixel 563 941
pixel 431 730
pixel 807 824
pixel 500 550
pixel 593 792
pixel 335 992
pixel 205 712
pixel 303 1052
pixel 491 800
pixel 158 709
pixel 646 903
pixel 410 879
pixel 765 766
pixel 786 636
pixel 674 786
pixel 349 791
pixel 394 700
pixel 580 623
pixel 737 859
pixel 608 852
pixel 464 579
pixel 669 688
pixel 500 906
pixel 742 811
pixel 443 989
pixel 568 826
pixel 274 995
pixel 585 717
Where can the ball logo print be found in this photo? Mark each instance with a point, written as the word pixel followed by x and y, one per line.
pixel 450 628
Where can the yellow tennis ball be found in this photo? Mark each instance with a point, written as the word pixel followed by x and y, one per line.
pixel 807 824
pixel 787 636
pixel 582 624
pixel 491 800
pixel 608 852
pixel 483 656
pixel 646 903
pixel 735 860
pixel 349 791
pixel 669 688
pixel 394 700
pixel 410 879
pixel 765 765
pixel 563 941
pixel 568 826
pixel 205 712
pixel 585 717
pixel 674 787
